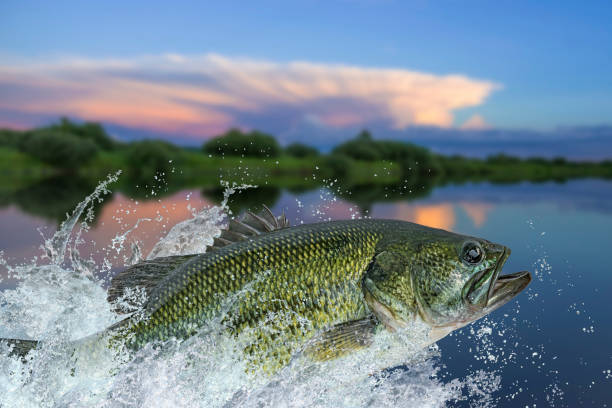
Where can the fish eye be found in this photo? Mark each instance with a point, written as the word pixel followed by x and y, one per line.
pixel 472 253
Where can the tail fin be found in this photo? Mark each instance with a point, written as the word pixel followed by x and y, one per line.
pixel 19 347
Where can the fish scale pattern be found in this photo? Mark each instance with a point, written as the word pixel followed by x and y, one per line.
pixel 299 280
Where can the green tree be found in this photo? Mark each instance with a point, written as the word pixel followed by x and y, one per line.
pixel 10 138
pixel 336 165
pixel 559 161
pixel 362 147
pixel 415 160
pixel 88 130
pixel 301 150
pixel 236 143
pixel 147 158
pixel 59 149
pixel 502 158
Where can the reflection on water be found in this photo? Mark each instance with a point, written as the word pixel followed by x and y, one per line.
pixel 433 215
pixel 45 204
pixel 550 347
pixel 51 198
pixel 438 215
pixel 251 199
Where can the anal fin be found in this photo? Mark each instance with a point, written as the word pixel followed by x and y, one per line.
pixel 342 339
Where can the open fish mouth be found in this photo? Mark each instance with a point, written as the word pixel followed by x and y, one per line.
pixel 504 287
pixel 499 289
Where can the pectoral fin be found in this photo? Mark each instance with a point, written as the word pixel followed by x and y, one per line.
pixel 342 339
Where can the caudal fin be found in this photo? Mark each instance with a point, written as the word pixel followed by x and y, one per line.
pixel 19 347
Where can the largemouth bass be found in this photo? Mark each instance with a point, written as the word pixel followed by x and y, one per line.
pixel 323 290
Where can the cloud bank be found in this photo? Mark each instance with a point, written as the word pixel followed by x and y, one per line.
pixel 199 96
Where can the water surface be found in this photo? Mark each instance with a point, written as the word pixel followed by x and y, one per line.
pixel 548 347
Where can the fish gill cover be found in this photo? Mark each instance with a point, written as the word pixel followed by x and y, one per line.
pixel 61 297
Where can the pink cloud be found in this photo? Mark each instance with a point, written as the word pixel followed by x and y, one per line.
pixel 476 122
pixel 201 95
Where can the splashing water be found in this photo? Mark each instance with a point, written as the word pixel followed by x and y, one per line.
pixel 60 301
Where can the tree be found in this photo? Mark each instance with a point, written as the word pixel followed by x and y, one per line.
pixel 236 143
pixel 10 138
pixel 59 149
pixel 413 159
pixel 362 147
pixel 88 130
pixel 502 158
pixel 301 150
pixel 147 158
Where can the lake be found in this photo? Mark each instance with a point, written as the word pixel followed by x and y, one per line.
pixel 551 346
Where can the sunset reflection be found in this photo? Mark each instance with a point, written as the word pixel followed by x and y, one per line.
pixel 149 220
pixel 156 218
pixel 434 215
pixel 477 212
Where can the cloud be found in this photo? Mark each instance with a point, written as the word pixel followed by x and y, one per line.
pixel 199 96
pixel 476 122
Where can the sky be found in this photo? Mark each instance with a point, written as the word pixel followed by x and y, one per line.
pixel 314 71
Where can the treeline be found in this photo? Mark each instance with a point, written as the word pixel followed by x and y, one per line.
pixel 68 147
pixel 63 145
pixel 235 142
pixel 415 162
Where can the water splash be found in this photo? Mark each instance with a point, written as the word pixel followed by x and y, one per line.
pixel 192 236
pixel 55 247
pixel 59 302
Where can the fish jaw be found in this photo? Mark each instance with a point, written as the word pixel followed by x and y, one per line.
pixel 504 288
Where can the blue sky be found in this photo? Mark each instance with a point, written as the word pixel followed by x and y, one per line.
pixel 550 62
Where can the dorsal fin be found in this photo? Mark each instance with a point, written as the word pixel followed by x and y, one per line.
pixel 146 275
pixel 249 225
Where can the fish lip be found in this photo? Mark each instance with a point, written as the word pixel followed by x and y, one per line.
pixel 506 287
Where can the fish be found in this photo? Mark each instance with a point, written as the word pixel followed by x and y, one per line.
pixel 320 290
